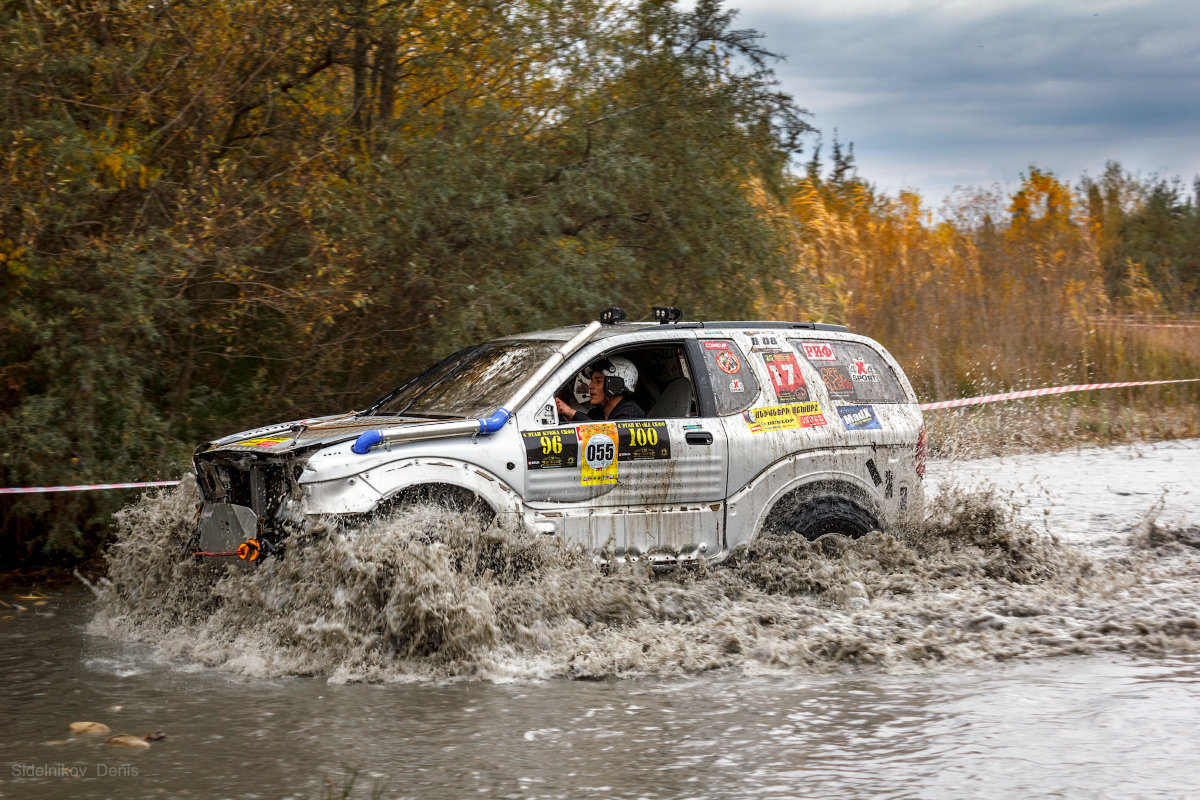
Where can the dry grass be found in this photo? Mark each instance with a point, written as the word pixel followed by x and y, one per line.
pixel 1003 294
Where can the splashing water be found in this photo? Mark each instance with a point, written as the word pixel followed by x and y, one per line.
pixel 432 595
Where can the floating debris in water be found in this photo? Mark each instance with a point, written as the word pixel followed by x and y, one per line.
pixel 125 740
pixel 89 727
pixel 432 595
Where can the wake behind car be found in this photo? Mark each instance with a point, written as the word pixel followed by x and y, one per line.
pixel 667 440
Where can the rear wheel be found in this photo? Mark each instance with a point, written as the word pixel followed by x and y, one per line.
pixel 813 512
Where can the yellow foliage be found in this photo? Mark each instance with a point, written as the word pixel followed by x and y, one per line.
pixel 968 301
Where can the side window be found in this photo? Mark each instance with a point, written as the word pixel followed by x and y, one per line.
pixel 851 371
pixel 733 382
pixel 663 389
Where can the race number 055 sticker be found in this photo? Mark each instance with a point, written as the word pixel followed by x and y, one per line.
pixel 598 444
pixel 785 376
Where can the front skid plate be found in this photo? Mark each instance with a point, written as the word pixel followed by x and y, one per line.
pixel 223 527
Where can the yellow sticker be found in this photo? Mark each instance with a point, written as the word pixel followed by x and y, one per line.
pixel 786 417
pixel 598 446
pixel 265 441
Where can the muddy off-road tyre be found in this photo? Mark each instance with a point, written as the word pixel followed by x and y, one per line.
pixel 452 498
pixel 813 512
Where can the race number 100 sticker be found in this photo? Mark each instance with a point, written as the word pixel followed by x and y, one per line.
pixel 598 444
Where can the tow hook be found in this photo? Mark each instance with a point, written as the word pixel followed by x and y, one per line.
pixel 249 550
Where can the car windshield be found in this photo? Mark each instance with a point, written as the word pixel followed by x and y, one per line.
pixel 471 383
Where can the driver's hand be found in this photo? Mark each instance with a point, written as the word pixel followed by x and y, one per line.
pixel 564 410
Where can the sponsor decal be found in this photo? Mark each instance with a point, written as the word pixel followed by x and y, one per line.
pixel 716 345
pixel 265 441
pixel 736 386
pixel 556 448
pixel 729 362
pixel 598 446
pixel 559 448
pixel 643 440
pixel 818 351
pixel 861 370
pixel 859 418
pixel 837 381
pixel 786 378
pixel 781 418
pixel 764 341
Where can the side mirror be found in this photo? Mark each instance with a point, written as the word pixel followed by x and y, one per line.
pixel 548 415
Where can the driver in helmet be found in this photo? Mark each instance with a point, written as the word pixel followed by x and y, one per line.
pixel 611 382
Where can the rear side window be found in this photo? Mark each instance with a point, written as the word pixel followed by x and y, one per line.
pixel 733 382
pixel 851 371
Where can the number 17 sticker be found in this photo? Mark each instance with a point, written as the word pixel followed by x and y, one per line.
pixel 786 377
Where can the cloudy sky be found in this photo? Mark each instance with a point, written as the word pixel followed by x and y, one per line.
pixel 972 92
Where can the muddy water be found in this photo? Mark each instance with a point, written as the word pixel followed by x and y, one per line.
pixel 1038 635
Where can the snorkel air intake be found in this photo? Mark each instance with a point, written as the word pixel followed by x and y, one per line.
pixel 480 426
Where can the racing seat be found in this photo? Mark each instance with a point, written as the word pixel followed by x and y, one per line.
pixel 675 400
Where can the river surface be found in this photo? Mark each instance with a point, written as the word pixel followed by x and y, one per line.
pixel 1038 636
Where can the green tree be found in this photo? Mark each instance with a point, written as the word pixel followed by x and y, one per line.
pixel 221 212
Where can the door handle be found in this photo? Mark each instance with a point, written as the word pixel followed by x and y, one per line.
pixel 699 437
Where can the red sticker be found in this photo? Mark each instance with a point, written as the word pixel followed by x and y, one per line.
pixel 729 362
pixel 785 376
pixel 818 351
pixel 716 345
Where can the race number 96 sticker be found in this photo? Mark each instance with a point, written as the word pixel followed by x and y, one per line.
pixel 598 444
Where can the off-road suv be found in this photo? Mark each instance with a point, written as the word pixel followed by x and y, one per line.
pixel 750 429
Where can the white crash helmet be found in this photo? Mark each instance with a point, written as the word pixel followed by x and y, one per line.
pixel 620 375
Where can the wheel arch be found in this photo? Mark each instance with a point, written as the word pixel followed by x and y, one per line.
pixel 829 502
pixel 750 508
pixel 422 479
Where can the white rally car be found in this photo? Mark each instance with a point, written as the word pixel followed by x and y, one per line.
pixel 749 429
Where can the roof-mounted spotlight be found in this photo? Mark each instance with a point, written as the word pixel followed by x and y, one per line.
pixel 611 316
pixel 667 314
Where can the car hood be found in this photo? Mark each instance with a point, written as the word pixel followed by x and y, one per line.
pixel 307 434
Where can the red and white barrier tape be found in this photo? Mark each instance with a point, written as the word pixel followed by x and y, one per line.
pixel 1081 387
pixel 964 401
pixel 87 487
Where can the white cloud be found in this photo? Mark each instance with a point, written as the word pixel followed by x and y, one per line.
pixel 938 93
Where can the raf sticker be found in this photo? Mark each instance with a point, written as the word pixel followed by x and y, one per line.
pixel 556 448
pixel 728 362
pixel 782 418
pixel 859 418
pixel 265 441
pixel 643 441
pixel 785 376
pixel 818 351
pixel 736 386
pixel 837 381
pixel 598 444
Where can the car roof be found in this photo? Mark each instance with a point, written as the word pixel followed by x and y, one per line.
pixel 567 331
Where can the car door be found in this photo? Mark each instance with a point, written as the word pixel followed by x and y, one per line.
pixel 640 485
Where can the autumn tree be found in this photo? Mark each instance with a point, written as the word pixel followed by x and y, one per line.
pixel 221 212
